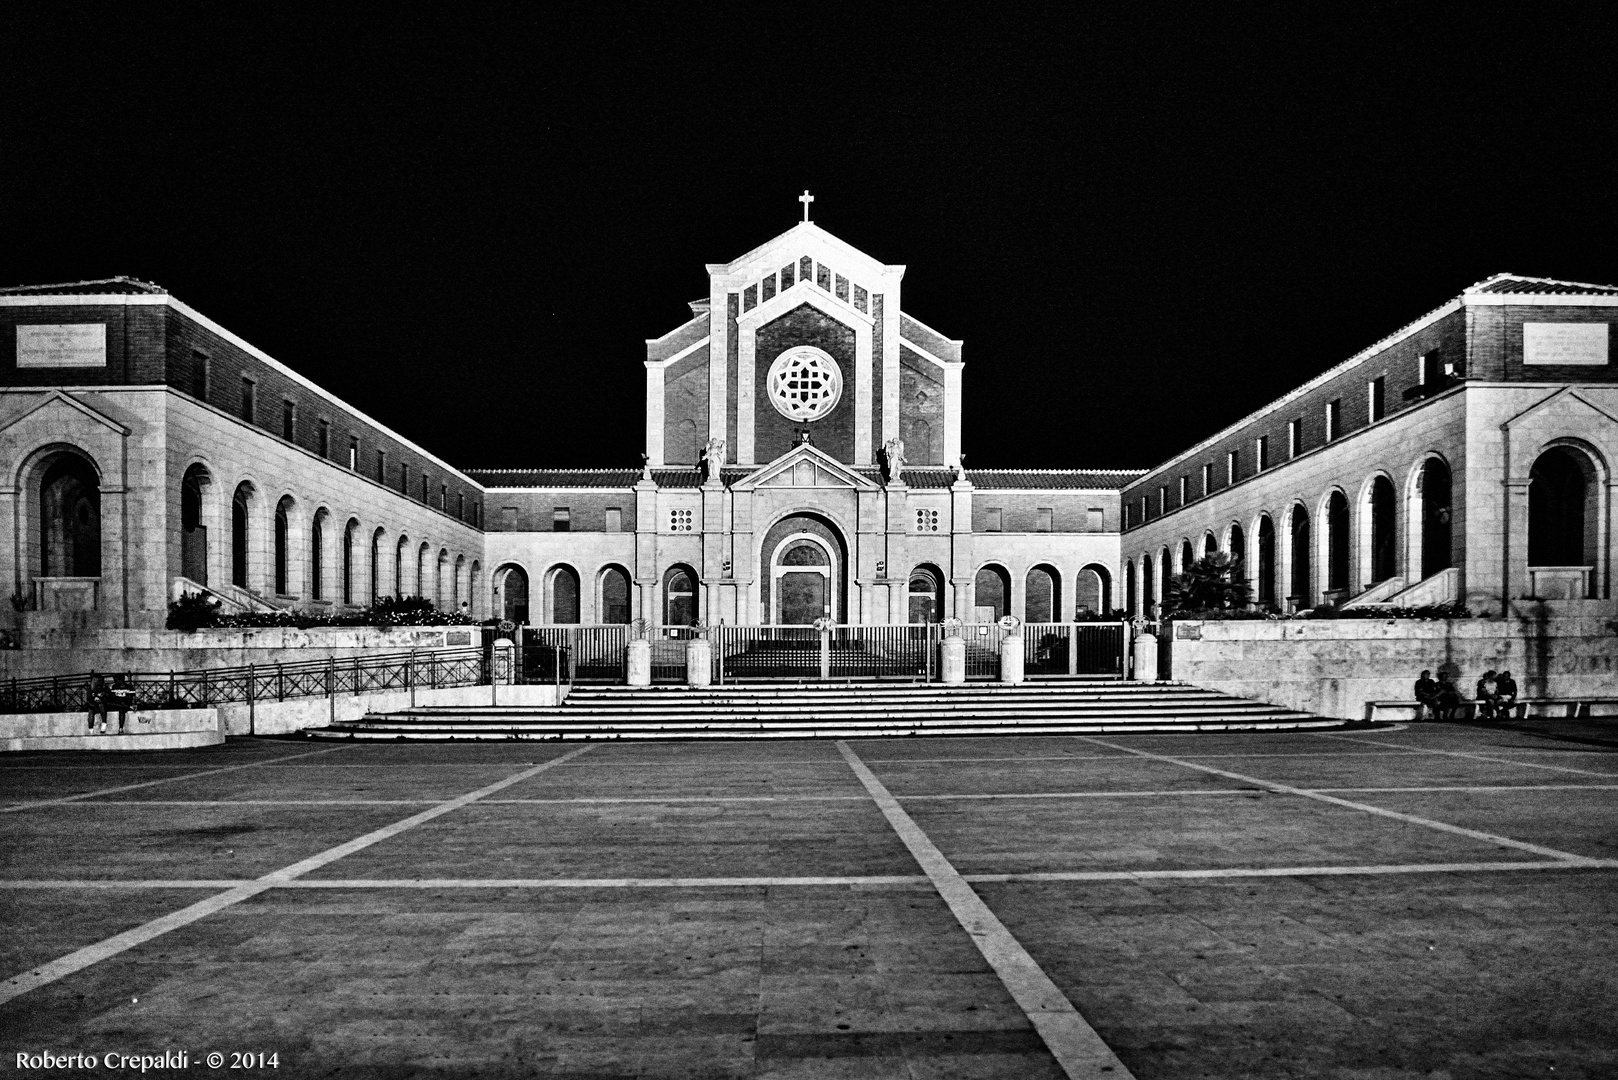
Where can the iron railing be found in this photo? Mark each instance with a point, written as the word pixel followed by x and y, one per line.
pixel 257 682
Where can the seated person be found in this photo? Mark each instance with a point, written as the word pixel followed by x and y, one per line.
pixel 1505 694
pixel 1449 698
pixel 1487 696
pixel 1426 696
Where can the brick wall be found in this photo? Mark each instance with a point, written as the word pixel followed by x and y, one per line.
pixel 773 434
pixel 535 511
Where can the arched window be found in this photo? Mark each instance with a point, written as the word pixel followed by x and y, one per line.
pixel 193 532
pixel 283 539
pixel 69 518
pixel 615 605
pixel 991 594
pixel 1187 556
pixel 1562 509
pixel 401 583
pixel 1210 545
pixel 423 553
pixel 1092 589
pixel 240 506
pixel 351 542
pixel 1435 517
pixel 377 539
pixel 1131 601
pixel 459 585
pixel 1382 529
pixel 440 581
pixel 1238 543
pixel 1266 562
pixel 317 560
pixel 511 593
pixel 474 586
pixel 1042 602
pixel 679 596
pixel 1148 587
pixel 925 593
pixel 1337 541
pixel 1298 587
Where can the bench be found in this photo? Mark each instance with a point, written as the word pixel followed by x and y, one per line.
pixel 1524 709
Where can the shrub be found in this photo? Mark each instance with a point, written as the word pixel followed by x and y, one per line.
pixel 1212 583
pixel 191 612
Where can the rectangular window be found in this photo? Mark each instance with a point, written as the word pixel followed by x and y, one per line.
pixel 615 519
pixel 1379 391
pixel 1432 369
pixel 248 409
pixel 477 514
pixel 424 489
pixel 404 479
pixel 1230 467
pixel 289 427
pixel 1044 519
pixel 561 519
pixel 1207 478
pixel 1294 438
pixel 926 521
pixel 443 497
pixel 382 466
pixel 508 517
pixel 1262 452
pixel 460 505
pixel 1334 418
pixel 353 453
pixel 1185 488
pixel 992 519
pixel 199 375
pixel 1162 500
pixel 323 437
pixel 1096 519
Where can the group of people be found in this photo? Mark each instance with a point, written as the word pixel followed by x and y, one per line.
pixel 120 696
pixel 1441 700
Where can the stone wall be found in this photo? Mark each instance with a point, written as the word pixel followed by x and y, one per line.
pixel 1332 667
pixel 74 651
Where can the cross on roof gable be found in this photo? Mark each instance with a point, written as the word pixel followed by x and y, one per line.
pixel 806 238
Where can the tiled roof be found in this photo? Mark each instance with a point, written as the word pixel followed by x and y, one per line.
pixel 1045 479
pixel 98 287
pixel 1516 283
pixel 554 478
pixel 929 478
pixel 678 478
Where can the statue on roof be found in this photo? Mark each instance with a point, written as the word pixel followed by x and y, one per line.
pixel 893 460
pixel 713 459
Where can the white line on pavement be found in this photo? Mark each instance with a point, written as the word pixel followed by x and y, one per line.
pixel 1286 789
pixel 1071 1040
pixel 164 780
pixel 1478 757
pixel 94 954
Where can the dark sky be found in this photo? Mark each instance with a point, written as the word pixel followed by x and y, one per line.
pixel 1144 229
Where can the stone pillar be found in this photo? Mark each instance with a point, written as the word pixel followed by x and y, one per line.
pixel 640 663
pixel 1011 659
pixel 1146 658
pixel 952 661
pixel 698 663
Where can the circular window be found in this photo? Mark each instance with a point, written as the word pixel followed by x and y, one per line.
pixel 804 383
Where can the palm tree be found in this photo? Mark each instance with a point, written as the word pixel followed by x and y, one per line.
pixel 1212 583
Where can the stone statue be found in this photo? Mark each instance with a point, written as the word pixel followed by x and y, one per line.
pixel 713 459
pixel 894 452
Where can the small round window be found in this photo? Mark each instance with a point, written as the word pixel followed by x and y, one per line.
pixel 804 383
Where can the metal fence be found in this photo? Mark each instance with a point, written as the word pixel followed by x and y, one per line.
pixel 266 682
pixel 1073 649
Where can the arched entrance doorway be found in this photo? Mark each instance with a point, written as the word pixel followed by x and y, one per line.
pixel 69 518
pixel 1563 512
pixel 926 594
pixel 1298 587
pixel 193 533
pixel 1042 600
pixel 679 596
pixel 803 583
pixel 511 593
pixel 991 593
pixel 1382 526
pixel 1434 492
pixel 1264 578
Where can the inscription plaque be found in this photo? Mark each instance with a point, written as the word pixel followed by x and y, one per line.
pixel 1564 343
pixel 62 345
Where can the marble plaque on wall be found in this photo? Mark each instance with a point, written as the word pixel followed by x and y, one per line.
pixel 64 345
pixel 1564 343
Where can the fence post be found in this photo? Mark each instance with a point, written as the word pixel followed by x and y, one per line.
pixel 280 682
pixel 250 698
pixel 331 686
pixel 1073 649
pixel 204 688
pixel 56 693
pixel 410 675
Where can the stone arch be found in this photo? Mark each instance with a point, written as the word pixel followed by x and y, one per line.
pixel 243 511
pixel 991 593
pixel 1428 511
pixel 805 521
pixel 348 563
pixel 459 601
pixel 401 567
pixel 1092 590
pixel 681 596
pixel 474 589
pixel 1131 596
pixel 379 565
pixel 1378 530
pixel 510 585
pixel 440 582
pixel 925 593
pixel 1210 544
pixel 65 484
pixel 1334 546
pixel 1148 586
pixel 1299 558
pixel 615 594
pixel 1263 576
pixel 1042 594
pixel 196 521
pixel 562 595
pixel 1566 508
pixel 423 554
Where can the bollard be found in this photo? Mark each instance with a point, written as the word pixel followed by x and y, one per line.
pixel 698 662
pixel 952 661
pixel 1146 657
pixel 639 663
pixel 1011 659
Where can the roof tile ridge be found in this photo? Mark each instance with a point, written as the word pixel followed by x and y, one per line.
pixel 1543 281
pixel 119 279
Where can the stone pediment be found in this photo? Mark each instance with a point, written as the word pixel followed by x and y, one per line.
pixel 1566 402
pixel 805 467
pixel 72 412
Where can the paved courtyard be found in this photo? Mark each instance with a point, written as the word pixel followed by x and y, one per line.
pixel 1427 901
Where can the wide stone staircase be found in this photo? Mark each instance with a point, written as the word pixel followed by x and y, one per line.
pixel 839 710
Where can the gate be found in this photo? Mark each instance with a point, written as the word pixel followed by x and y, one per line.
pixel 1057 649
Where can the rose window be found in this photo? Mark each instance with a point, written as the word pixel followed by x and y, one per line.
pixel 804 383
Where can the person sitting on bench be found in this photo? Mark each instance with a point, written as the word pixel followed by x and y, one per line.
pixel 1487 696
pixel 1449 698
pixel 1505 695
pixel 1426 696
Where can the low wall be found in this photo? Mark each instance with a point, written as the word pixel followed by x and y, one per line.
pixel 60 651
pixel 151 729
pixel 284 717
pixel 1332 667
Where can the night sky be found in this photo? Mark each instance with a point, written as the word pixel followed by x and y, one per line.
pixel 467 226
